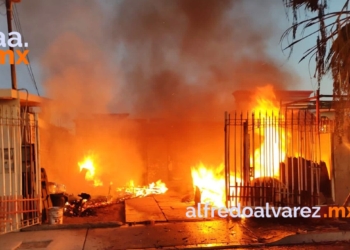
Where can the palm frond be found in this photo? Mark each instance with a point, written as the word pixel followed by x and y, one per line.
pixel 331 51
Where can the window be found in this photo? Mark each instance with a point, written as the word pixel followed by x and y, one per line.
pixel 7 159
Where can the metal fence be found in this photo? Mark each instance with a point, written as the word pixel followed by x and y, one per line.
pixel 274 158
pixel 19 176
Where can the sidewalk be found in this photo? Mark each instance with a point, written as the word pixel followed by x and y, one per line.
pixel 194 235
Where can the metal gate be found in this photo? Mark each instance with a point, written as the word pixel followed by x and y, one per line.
pixel 19 176
pixel 273 158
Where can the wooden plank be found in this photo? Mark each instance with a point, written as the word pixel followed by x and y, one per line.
pixel 142 210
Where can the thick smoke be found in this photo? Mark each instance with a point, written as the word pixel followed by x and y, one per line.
pixel 81 80
pixel 185 58
pixel 179 60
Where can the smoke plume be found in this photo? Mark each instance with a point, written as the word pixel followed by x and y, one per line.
pixel 185 58
pixel 177 60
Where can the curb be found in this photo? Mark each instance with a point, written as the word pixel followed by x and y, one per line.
pixel 72 226
pixel 312 238
pixel 297 239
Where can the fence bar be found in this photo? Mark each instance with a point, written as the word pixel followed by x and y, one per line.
pixel 275 158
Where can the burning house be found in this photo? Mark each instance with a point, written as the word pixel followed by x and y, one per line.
pixel 172 67
pixel 275 154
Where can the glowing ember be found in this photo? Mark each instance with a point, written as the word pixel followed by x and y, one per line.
pixel 157 187
pixel 272 150
pixel 90 175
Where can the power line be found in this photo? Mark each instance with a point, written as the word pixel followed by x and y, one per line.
pixel 19 29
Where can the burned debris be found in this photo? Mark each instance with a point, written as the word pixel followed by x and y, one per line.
pixel 84 205
pixel 79 207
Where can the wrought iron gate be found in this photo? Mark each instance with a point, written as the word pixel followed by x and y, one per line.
pixel 19 176
pixel 273 158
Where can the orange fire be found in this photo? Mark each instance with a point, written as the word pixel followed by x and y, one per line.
pixel 272 150
pixel 267 156
pixel 211 183
pixel 89 166
pixel 157 187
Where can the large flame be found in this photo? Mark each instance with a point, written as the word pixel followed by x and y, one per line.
pixel 272 151
pixel 267 156
pixel 89 166
pixel 211 183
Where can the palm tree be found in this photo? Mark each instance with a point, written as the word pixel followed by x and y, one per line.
pixel 331 50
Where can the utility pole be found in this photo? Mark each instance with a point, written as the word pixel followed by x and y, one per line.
pixel 9 28
pixel 318 109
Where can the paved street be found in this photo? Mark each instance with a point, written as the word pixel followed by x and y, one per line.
pixel 129 237
pixel 163 224
pixel 224 234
